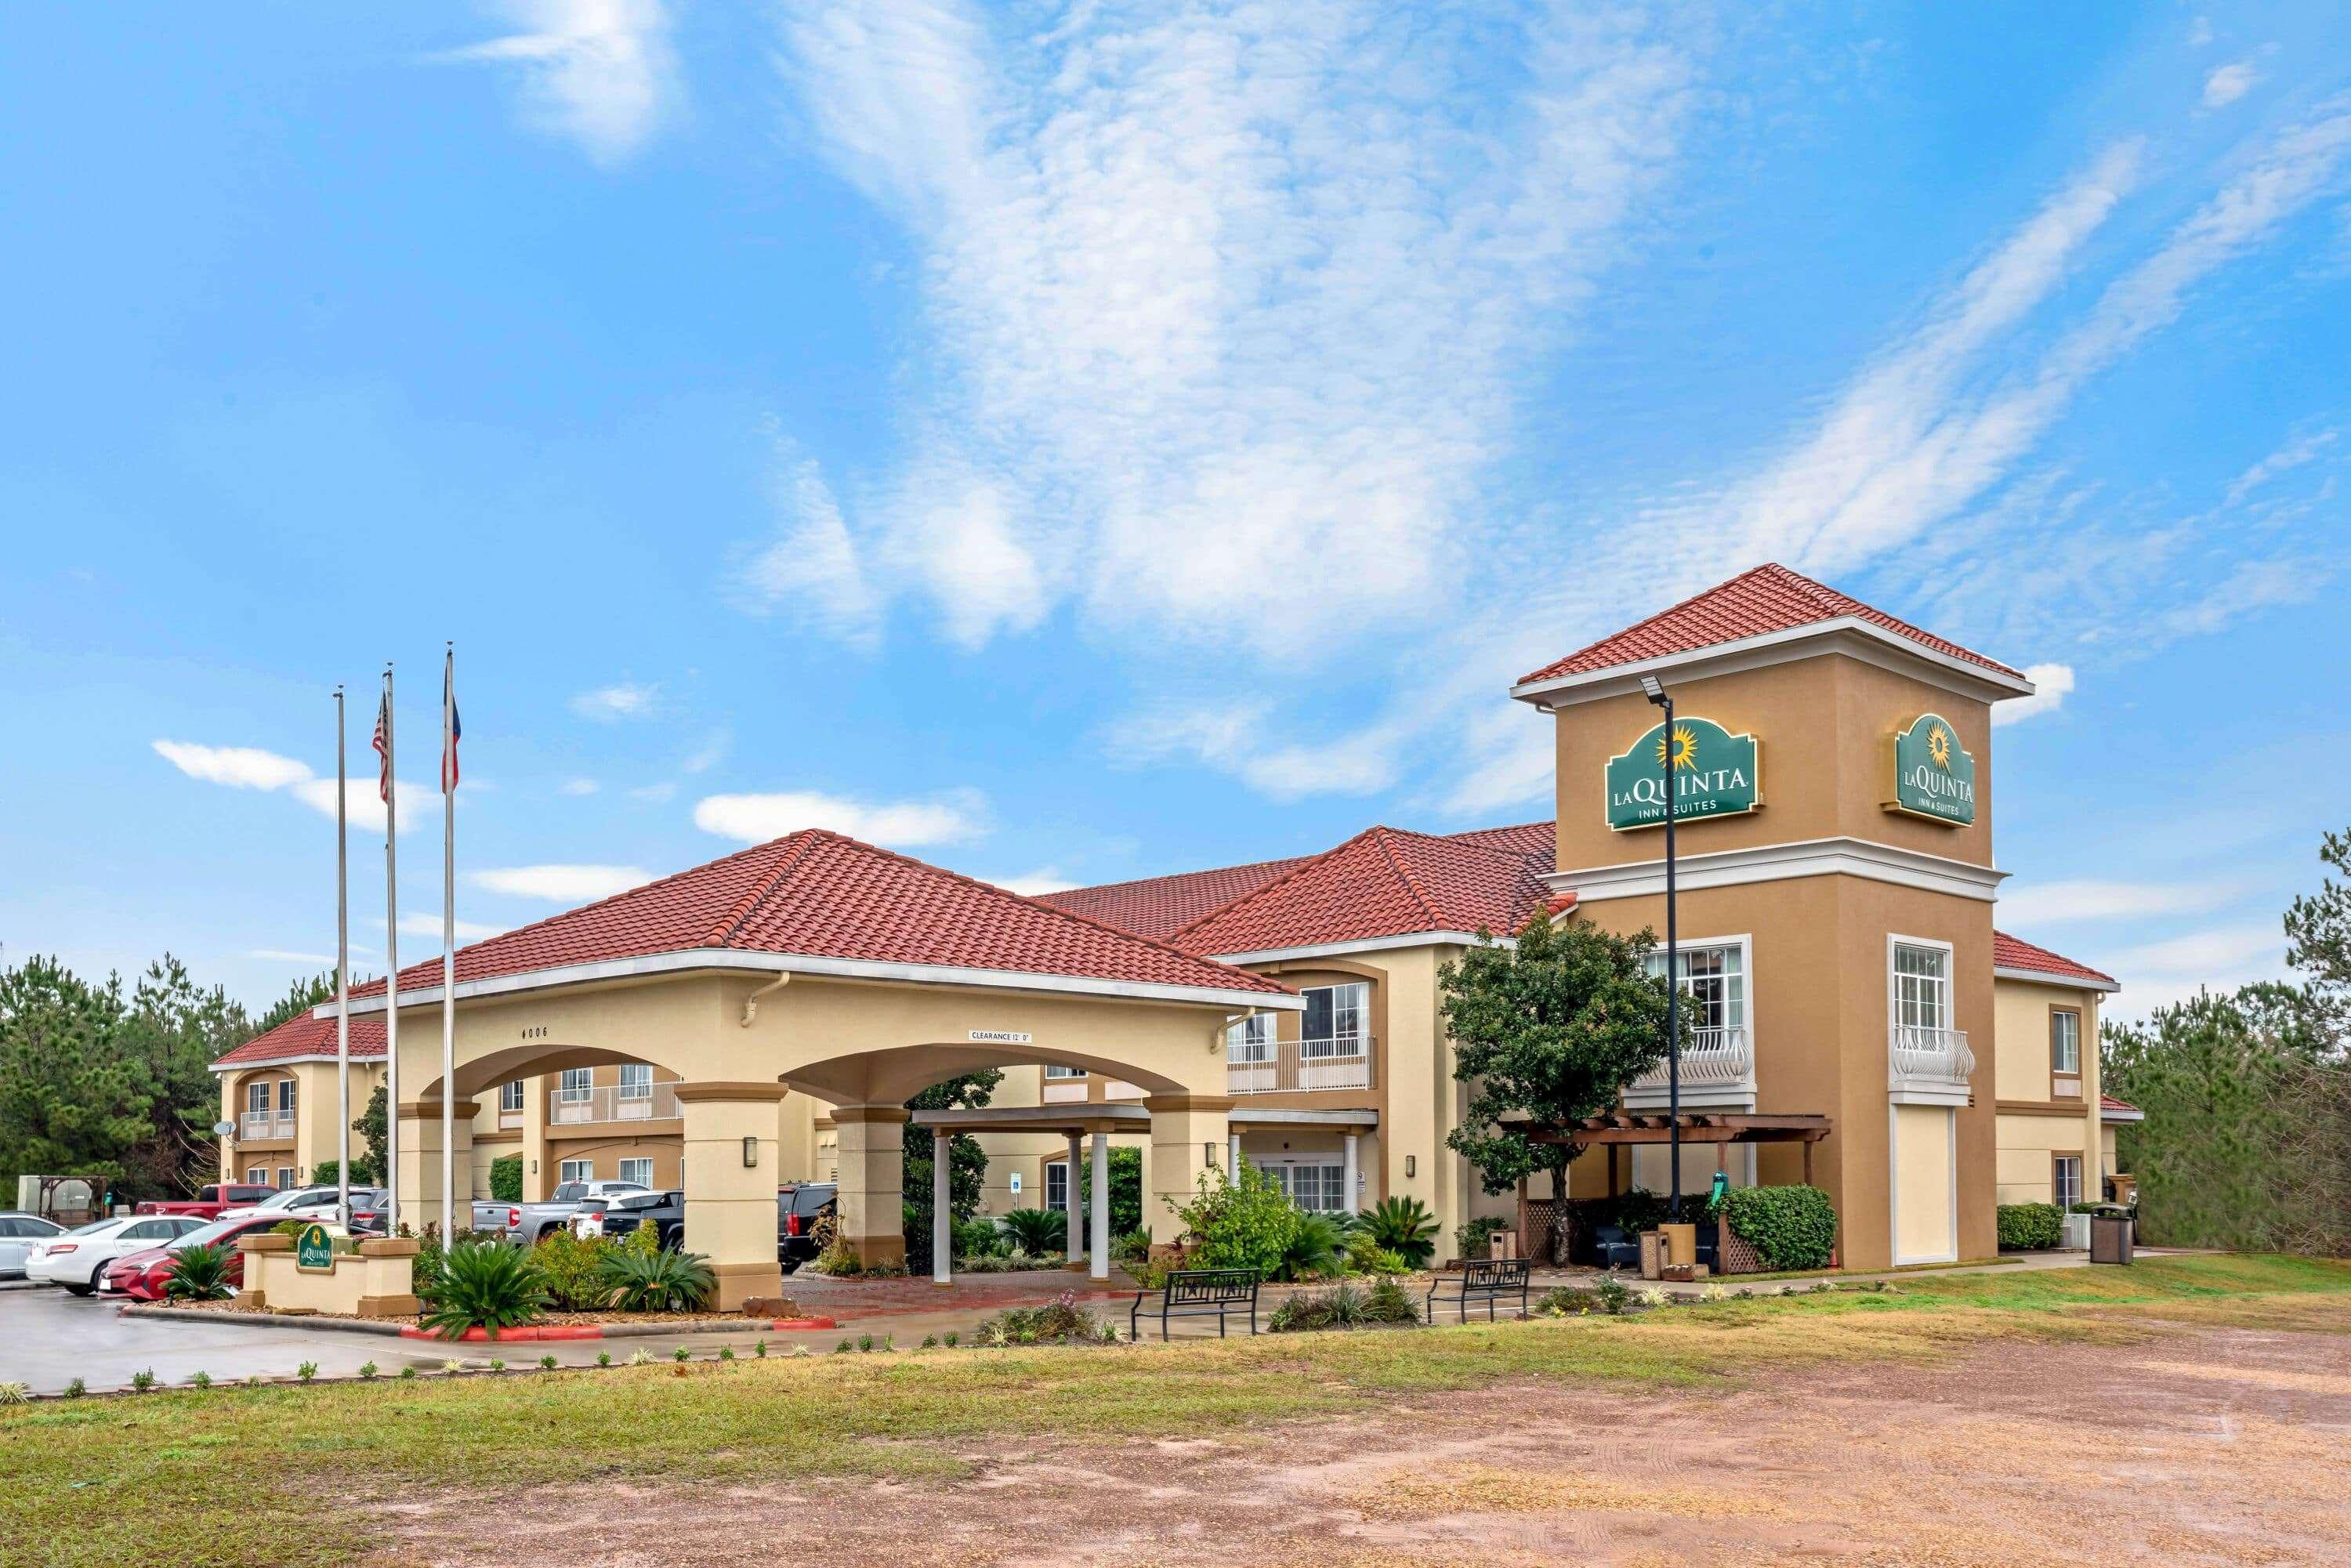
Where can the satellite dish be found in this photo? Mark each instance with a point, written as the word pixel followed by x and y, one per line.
pixel 224 1127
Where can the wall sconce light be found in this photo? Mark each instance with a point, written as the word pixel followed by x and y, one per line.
pixel 1411 1163
pixel 1208 1155
pixel 534 1167
pixel 750 1151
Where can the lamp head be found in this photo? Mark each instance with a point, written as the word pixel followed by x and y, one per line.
pixel 1654 689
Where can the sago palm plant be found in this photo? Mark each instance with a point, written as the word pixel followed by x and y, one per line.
pixel 199 1274
pixel 486 1285
pixel 641 1281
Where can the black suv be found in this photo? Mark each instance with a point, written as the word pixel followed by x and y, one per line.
pixel 804 1219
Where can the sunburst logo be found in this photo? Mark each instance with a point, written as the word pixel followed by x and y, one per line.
pixel 1681 747
pixel 1939 748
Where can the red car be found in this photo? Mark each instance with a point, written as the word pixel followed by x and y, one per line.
pixel 209 1200
pixel 141 1276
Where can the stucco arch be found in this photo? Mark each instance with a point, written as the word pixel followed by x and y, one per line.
pixel 269 1069
pixel 531 1060
pixel 893 1075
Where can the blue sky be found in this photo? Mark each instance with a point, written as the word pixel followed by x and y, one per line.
pixel 1077 444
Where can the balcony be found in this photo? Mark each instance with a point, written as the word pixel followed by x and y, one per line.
pixel 1293 1066
pixel 264 1126
pixel 1929 1066
pixel 1717 1072
pixel 611 1103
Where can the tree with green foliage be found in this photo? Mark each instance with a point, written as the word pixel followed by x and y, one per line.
pixel 2318 939
pixel 299 997
pixel 505 1178
pixel 1125 1189
pixel 968 1162
pixel 1548 1030
pixel 375 1128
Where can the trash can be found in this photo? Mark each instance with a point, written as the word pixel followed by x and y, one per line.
pixel 2110 1239
pixel 1680 1242
pixel 1653 1255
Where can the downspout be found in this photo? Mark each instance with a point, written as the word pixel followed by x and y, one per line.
pixel 751 1002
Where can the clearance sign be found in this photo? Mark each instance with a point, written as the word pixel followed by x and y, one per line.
pixel 1932 778
pixel 1715 774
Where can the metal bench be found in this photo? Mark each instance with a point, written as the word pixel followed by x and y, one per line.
pixel 1486 1282
pixel 1200 1294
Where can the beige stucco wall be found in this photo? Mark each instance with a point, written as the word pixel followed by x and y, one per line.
pixel 315 1129
pixel 2026 1143
pixel 1923 1212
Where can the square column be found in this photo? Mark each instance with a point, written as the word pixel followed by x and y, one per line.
pixel 1074 1246
pixel 419 1132
pixel 873 1181
pixel 730 1186
pixel 1190 1134
pixel 1098 1258
pixel 942 1209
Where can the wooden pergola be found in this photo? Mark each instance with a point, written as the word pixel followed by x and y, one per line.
pixel 1720 1128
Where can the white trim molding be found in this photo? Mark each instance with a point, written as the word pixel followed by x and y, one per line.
pixel 2108 1113
pixel 1851 635
pixel 1364 945
pixel 2063 982
pixel 1781 862
pixel 710 959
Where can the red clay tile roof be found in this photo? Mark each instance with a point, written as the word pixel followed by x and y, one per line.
pixel 821 894
pixel 2109 1103
pixel 1768 599
pixel 2015 953
pixel 1158 906
pixel 1381 882
pixel 303 1034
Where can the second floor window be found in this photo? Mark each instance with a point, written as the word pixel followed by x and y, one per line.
pixel 257 1099
pixel 1250 1040
pixel 1714 982
pixel 285 1096
pixel 636 1081
pixel 1333 1025
pixel 510 1095
pixel 2065 1042
pixel 1922 986
pixel 576 1083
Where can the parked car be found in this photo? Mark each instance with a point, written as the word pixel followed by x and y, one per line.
pixel 76 1258
pixel 291 1202
pixel 18 1231
pixel 626 1212
pixel 524 1224
pixel 141 1275
pixel 211 1200
pixel 804 1221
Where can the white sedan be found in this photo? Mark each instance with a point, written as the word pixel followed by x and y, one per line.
pixel 294 1203
pixel 76 1258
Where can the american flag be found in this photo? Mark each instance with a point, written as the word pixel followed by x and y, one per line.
pixel 383 748
pixel 449 741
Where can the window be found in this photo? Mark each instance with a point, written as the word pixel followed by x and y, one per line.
pixel 1320 1189
pixel 1250 1040
pixel 510 1095
pixel 636 1081
pixel 2065 1042
pixel 2065 1180
pixel 257 1099
pixel 285 1177
pixel 285 1096
pixel 1714 982
pixel 1922 986
pixel 1057 1186
pixel 258 1175
pixel 640 1171
pixel 1333 1025
pixel 577 1170
pixel 576 1083
pixel 1053 1071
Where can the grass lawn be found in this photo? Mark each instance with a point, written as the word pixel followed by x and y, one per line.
pixel 235 1475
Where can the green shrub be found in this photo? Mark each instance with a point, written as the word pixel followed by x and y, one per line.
pixel 1632 1211
pixel 980 1238
pixel 1125 1189
pixel 199 1274
pixel 15 1394
pixel 2029 1227
pixel 1405 1227
pixel 369 1370
pixel 1132 1248
pixel 486 1285
pixel 1345 1307
pixel 77 1388
pixel 1239 1223
pixel 1366 1256
pixel 141 1382
pixel 307 1370
pixel 1059 1322
pixel 1476 1237
pixel 506 1179
pixel 1789 1227
pixel 571 1270
pixel 289 1227
pixel 326 1173
pixel 636 1280
pixel 1315 1249
pixel 1038 1231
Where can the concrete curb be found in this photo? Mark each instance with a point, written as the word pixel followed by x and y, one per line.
pixel 259 1320
pixel 540 1333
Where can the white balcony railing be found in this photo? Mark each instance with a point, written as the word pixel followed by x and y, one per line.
pixel 1930 1066
pixel 1712 1066
pixel 611 1103
pixel 259 1124
pixel 1276 1067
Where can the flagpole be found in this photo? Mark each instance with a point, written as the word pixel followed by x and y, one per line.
pixel 342 976
pixel 392 974
pixel 448 951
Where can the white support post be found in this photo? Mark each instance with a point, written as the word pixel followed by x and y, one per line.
pixel 1233 1159
pixel 942 1210
pixel 1074 1243
pixel 1348 1182
pixel 1098 1258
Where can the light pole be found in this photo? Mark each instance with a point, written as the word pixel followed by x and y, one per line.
pixel 1656 694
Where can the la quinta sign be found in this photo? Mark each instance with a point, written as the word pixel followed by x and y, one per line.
pixel 1716 774
pixel 1932 777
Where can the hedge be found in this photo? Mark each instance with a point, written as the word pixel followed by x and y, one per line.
pixel 1789 1227
pixel 505 1178
pixel 2029 1227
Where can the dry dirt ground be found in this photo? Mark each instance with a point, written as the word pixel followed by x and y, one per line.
pixel 2203 1447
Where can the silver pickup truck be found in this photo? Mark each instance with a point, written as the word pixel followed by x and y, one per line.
pixel 524 1224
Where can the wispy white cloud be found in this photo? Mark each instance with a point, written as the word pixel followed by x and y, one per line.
pixel 710 753
pixel 560 883
pixel 580 785
pixel 1044 880
pixel 2219 957
pixel 2022 909
pixel 248 767
pixel 1215 297
pixel 654 794
pixel 429 925
pixel 1240 736
pixel 285 955
pixel 2298 451
pixel 2053 685
pixel 621 699
pixel 598 73
pixel 2229 83
pixel 809 570
pixel 957 816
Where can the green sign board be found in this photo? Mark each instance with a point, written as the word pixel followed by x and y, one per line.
pixel 314 1249
pixel 1716 774
pixel 1932 777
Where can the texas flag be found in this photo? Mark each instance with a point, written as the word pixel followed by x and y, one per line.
pixel 451 729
